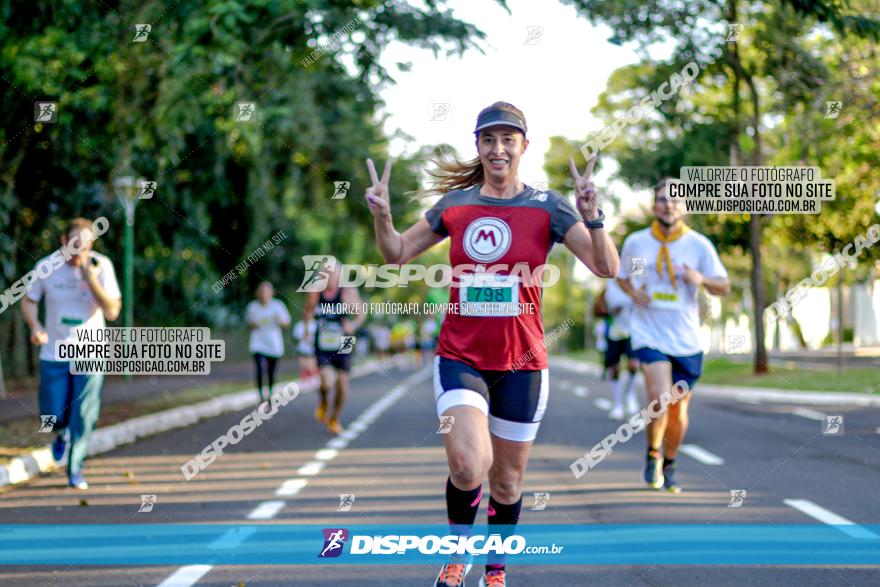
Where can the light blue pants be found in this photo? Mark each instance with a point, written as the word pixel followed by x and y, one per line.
pixel 75 401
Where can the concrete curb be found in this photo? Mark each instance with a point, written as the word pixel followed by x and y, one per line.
pixel 812 398
pixel 108 438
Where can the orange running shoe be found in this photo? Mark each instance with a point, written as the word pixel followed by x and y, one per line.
pixel 321 413
pixel 333 425
pixel 452 575
pixel 493 579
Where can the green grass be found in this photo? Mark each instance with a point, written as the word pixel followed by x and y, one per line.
pixel 590 356
pixel 726 372
pixel 20 436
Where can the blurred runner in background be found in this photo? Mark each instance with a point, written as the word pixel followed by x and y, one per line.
pixel 600 330
pixel 305 350
pixel 619 306
pixel 381 335
pixel 266 317
pixel 427 338
pixel 334 342
pixel 79 294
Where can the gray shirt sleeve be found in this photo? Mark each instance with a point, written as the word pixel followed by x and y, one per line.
pixel 435 216
pixel 562 217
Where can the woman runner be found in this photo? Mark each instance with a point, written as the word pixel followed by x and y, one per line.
pixel 490 372
pixel 266 316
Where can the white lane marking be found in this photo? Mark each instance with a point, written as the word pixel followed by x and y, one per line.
pixel 266 510
pixel 337 443
pixel 186 576
pixel 310 469
pixel 358 426
pixel 701 455
pixel 564 385
pixel 828 517
pixel 580 391
pixel 190 574
pixel 809 414
pixel 326 454
pixel 603 403
pixel 231 538
pixel 291 487
pixel 347 436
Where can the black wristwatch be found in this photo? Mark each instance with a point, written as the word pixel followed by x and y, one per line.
pixel 597 223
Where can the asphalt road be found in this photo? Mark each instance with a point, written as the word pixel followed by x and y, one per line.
pixel 394 464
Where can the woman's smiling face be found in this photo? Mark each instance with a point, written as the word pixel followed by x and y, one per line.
pixel 500 148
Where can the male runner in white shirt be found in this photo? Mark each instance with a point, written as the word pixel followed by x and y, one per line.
pixel 664 325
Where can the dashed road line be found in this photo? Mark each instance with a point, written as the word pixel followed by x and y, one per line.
pixel 603 403
pixel 310 469
pixel 701 455
pixel 186 576
pixel 828 517
pixel 190 574
pixel 291 487
pixel 266 510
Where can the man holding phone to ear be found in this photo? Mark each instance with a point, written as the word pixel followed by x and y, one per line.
pixel 81 293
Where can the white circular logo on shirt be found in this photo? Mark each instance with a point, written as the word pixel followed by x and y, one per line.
pixel 486 239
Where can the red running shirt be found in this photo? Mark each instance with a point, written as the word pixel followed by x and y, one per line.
pixel 498 325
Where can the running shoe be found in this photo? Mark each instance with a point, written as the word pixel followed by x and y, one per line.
pixel 654 472
pixel 77 481
pixel 452 575
pixel 59 447
pixel 669 483
pixel 493 579
pixel 333 425
pixel 321 414
pixel 616 413
pixel 632 405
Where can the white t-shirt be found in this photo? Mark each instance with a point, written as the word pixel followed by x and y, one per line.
pixel 382 336
pixel 267 338
pixel 670 324
pixel 599 334
pixel 304 346
pixel 427 330
pixel 70 302
pixel 620 307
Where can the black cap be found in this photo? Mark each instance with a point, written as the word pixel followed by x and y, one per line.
pixel 497 116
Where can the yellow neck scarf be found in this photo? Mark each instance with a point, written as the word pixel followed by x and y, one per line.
pixel 663 255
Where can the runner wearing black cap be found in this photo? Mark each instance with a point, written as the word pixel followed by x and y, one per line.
pixel 490 372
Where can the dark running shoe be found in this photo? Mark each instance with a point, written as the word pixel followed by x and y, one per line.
pixel 654 472
pixel 493 579
pixel 59 447
pixel 669 483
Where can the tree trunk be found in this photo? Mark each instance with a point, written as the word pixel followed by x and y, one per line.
pixel 757 277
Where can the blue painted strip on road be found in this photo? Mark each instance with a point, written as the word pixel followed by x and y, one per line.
pixel 295 544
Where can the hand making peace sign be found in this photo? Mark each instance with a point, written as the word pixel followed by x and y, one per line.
pixel 587 196
pixel 377 195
